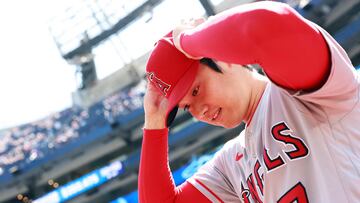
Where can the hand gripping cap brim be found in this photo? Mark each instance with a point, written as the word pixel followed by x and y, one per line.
pixel 172 73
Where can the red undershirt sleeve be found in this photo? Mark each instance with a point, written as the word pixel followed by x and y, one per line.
pixel 155 180
pixel 290 49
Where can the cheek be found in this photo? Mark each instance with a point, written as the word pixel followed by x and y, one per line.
pixel 234 111
pixel 224 98
pixel 215 91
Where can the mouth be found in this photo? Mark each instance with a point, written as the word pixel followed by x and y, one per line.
pixel 216 115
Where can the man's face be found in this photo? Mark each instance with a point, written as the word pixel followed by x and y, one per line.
pixel 220 99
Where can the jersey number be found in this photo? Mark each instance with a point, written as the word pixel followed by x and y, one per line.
pixel 295 194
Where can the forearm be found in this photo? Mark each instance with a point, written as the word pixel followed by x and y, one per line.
pixel 154 122
pixel 155 181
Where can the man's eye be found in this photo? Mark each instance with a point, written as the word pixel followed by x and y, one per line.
pixel 186 107
pixel 195 91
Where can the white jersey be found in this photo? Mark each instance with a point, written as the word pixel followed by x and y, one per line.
pixel 299 147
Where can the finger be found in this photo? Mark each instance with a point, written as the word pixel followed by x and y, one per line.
pixel 151 86
pixel 154 91
pixel 199 21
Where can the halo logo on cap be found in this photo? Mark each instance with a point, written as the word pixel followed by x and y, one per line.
pixel 162 86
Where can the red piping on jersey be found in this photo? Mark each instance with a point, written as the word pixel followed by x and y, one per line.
pixel 213 193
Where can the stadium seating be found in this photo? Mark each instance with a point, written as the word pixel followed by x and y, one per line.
pixel 30 145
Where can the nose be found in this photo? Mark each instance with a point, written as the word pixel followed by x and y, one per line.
pixel 199 111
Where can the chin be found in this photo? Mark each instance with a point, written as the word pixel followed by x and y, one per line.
pixel 225 124
pixel 229 125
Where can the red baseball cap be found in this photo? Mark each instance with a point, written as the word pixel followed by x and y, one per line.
pixel 171 72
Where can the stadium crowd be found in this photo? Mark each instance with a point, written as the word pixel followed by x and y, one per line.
pixel 24 144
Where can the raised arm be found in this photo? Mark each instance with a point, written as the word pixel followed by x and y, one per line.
pixel 291 50
pixel 155 181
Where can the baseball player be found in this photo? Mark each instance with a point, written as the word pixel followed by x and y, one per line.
pixel 302 137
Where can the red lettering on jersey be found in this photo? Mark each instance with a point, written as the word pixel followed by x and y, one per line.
pixel 301 149
pixel 272 163
pixel 257 176
pixel 253 191
pixel 295 194
pixel 162 86
pixel 245 194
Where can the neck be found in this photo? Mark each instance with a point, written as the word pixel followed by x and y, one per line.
pixel 255 96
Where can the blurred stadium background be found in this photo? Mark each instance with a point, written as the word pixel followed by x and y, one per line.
pixel 90 152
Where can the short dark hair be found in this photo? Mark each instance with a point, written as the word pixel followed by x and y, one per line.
pixel 211 64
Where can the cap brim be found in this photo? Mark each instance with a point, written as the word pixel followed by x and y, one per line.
pixel 180 90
